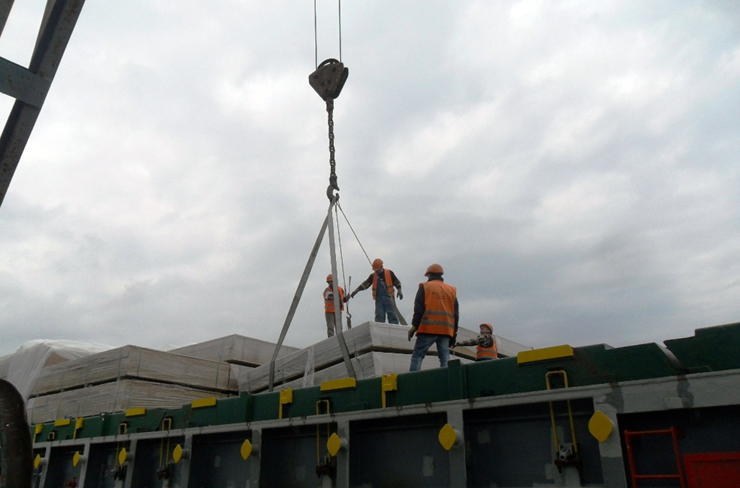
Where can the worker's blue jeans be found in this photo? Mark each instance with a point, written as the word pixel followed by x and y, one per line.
pixel 384 305
pixel 423 343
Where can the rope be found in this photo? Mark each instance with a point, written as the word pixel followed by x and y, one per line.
pixel 354 233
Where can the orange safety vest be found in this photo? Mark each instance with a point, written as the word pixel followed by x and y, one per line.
pixel 388 283
pixel 329 299
pixel 487 352
pixel 439 309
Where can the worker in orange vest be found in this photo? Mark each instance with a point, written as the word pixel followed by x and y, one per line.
pixel 436 317
pixel 486 348
pixel 384 283
pixel 329 305
pixel 485 344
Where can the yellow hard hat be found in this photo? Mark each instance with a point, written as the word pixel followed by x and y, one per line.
pixel 434 269
pixel 377 264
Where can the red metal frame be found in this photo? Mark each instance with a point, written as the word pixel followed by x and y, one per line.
pixel 717 458
pixel 628 435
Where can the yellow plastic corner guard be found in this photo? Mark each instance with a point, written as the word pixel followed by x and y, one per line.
pixel 62 422
pixel 78 426
pixel 389 382
pixel 36 431
pixel 448 437
pixel 122 456
pixel 204 402
pixel 544 354
pixel 600 426
pixel 246 449
pixel 338 384
pixel 286 397
pixel 135 412
pixel 177 454
pixel 334 444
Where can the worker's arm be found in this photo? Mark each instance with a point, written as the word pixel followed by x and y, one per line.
pixel 457 320
pixel 397 283
pixel 363 286
pixel 469 342
pixel 419 309
pixel 483 340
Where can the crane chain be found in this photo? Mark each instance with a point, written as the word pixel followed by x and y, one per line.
pixel 332 161
pixel 328 81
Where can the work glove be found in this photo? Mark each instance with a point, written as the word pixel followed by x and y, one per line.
pixel 400 294
pixel 346 299
pixel 412 331
pixel 453 340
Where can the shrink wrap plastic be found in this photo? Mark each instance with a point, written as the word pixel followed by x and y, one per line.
pixel 22 368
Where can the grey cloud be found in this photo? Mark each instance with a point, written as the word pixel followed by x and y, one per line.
pixel 571 166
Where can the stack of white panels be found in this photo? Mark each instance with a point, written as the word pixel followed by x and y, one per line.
pixel 305 366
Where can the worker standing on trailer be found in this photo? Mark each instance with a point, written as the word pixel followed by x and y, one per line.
pixel 384 283
pixel 485 344
pixel 436 317
pixel 329 305
pixel 486 348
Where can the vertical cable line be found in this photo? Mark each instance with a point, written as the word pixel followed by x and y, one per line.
pixel 315 37
pixel 340 29
pixel 355 234
pixel 316 34
pixel 341 253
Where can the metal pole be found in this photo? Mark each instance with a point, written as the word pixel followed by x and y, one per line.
pixel 297 296
pixel 16 456
pixel 58 23
pixel 337 310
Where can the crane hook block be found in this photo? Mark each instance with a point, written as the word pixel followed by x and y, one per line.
pixel 329 78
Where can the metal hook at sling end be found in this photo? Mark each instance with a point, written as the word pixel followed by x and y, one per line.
pixel 330 190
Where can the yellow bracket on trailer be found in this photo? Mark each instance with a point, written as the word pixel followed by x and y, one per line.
pixel 544 354
pixel 389 382
pixel 78 425
pixel 338 384
pixel 204 402
pixel 286 398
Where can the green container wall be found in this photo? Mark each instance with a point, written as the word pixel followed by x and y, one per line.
pixel 590 365
pixel 430 386
pixel 226 411
pixel 265 406
pixel 711 349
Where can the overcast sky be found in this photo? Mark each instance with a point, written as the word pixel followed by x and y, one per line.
pixel 572 165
